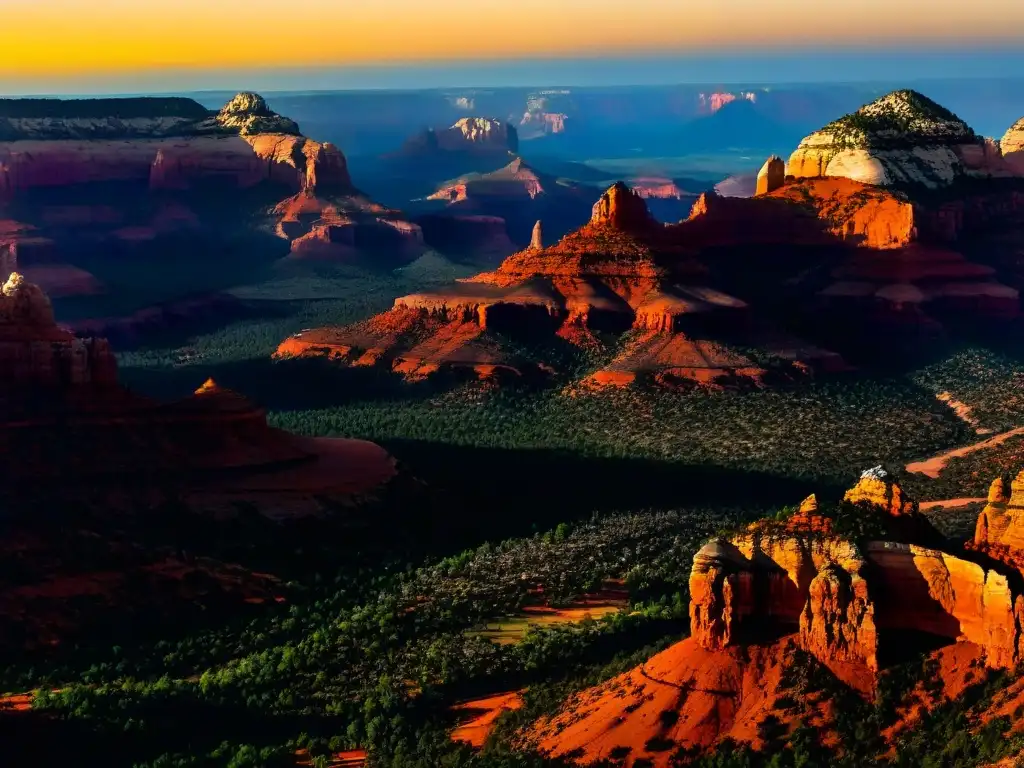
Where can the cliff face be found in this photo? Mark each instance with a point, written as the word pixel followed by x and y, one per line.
pixel 902 138
pixel 1000 528
pixel 844 595
pixel 244 144
pixel 150 168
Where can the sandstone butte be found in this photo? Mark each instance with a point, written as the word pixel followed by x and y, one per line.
pixel 903 138
pixel 135 170
pixel 623 270
pixel 845 599
pixel 868 250
pixel 64 416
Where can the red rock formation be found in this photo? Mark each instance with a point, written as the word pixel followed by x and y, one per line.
pixel 621 208
pixel 771 176
pixel 999 531
pixel 715 695
pixel 185 163
pixel 517 180
pixel 535 124
pixel 622 269
pixel 36 354
pixel 876 489
pixel 537 238
pixel 843 594
pixel 468 135
pixel 838 621
pixel 63 417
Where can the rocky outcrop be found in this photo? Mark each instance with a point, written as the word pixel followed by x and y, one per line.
pixel 469 135
pixel 68 428
pixel 1012 147
pixel 100 119
pixel 36 354
pixel 245 143
pixel 845 593
pixel 621 208
pixel 838 620
pixel 903 138
pixel 515 181
pixel 999 531
pixel 537 238
pixel 875 488
pixel 248 113
pixel 535 124
pixel 295 188
pixel 771 176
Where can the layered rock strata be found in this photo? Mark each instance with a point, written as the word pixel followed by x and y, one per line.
pixel 843 594
pixel 621 271
pixel 132 171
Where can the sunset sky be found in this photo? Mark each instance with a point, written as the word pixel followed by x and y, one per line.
pixel 180 43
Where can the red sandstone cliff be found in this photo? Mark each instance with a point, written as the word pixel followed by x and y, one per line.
pixel 844 594
pixel 159 176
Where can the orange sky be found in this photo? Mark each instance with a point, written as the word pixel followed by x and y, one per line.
pixel 76 37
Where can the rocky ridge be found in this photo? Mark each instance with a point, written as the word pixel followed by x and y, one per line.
pixel 134 171
pixel 37 355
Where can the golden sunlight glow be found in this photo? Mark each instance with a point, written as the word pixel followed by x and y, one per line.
pixel 79 36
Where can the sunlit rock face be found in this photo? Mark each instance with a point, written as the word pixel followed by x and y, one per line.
pixel 1012 147
pixel 771 176
pixel 469 135
pixel 843 594
pixel 903 138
